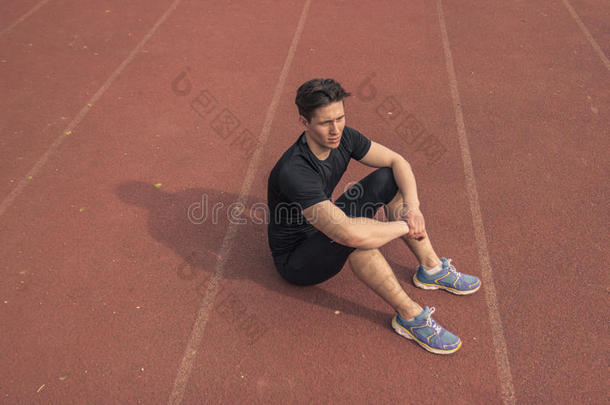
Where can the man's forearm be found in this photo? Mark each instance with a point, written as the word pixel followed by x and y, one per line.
pixel 366 233
pixel 405 180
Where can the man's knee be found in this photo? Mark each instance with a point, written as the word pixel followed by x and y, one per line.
pixel 385 175
pixel 365 258
pixel 385 184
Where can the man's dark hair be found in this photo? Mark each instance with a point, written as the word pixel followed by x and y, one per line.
pixel 317 93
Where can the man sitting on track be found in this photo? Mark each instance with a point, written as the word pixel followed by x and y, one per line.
pixel 312 237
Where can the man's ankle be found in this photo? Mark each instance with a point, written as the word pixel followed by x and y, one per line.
pixel 408 314
pixel 429 264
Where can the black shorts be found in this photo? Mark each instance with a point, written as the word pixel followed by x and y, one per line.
pixel 319 258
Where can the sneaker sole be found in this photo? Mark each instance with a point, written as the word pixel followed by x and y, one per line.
pixel 426 286
pixel 405 333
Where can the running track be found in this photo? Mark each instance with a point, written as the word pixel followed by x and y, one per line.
pixel 111 294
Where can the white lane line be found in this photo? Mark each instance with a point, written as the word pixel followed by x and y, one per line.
pixel 23 17
pixel 81 114
pixel 585 31
pixel 497 331
pixel 194 343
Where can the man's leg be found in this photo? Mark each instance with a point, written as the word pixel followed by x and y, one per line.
pixel 314 261
pixel 411 320
pixel 433 273
pixel 371 268
pixel 318 259
pixel 422 249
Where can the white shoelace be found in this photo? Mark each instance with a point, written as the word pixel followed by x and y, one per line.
pixel 432 323
pixel 453 270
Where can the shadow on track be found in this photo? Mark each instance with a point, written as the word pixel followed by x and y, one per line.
pixel 193 223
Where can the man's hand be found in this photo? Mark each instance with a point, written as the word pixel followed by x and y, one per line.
pixel 416 222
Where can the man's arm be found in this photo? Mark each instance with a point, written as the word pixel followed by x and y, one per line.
pixel 361 232
pixel 380 156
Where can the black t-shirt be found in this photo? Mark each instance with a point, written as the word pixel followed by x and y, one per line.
pixel 300 180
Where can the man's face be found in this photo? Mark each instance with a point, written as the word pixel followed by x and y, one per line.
pixel 326 125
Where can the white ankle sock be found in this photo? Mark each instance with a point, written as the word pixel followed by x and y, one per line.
pixel 434 269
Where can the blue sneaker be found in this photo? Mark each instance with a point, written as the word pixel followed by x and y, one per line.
pixel 448 279
pixel 427 333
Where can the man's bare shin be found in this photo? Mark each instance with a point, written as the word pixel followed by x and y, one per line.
pixel 371 268
pixel 422 249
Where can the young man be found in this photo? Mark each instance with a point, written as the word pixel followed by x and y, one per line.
pixel 312 237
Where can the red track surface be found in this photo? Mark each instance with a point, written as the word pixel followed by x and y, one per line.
pixel 104 277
